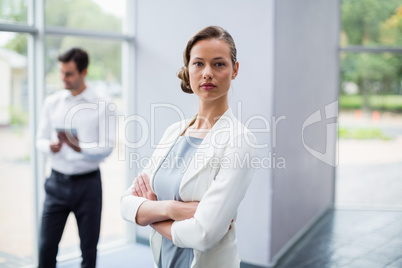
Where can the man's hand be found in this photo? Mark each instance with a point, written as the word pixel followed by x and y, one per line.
pixel 70 140
pixel 142 187
pixel 55 146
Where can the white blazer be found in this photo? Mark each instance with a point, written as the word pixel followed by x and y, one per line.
pixel 218 176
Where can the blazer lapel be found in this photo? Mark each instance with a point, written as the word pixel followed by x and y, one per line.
pixel 164 150
pixel 214 141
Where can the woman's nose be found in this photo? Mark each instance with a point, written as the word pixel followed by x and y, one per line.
pixel 208 72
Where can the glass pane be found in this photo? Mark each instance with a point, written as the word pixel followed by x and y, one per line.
pixel 371 22
pixel 371 81
pixel 370 131
pixel 102 15
pixel 17 182
pixel 104 74
pixel 13 11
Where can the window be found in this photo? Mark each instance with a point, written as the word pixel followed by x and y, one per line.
pixel 26 78
pixel 17 182
pixel 13 11
pixel 370 118
pixel 100 15
pixel 371 23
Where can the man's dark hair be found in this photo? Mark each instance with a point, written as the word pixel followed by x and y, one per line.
pixel 78 55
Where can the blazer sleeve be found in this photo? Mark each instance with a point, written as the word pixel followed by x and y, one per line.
pixel 219 204
pixel 129 204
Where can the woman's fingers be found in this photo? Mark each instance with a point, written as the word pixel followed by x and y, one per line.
pixel 135 193
pixel 141 184
pixel 142 187
pixel 137 187
pixel 147 182
pixel 150 193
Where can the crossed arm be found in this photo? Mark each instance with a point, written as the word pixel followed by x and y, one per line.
pixel 219 202
pixel 160 215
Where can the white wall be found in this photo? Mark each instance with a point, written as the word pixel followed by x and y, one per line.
pixel 162 31
pixel 306 80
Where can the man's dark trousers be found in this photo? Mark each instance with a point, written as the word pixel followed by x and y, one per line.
pixel 80 194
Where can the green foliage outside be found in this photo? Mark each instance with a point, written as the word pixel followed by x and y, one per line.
pixel 372 23
pixel 80 14
pixel 391 103
pixel 362 134
pixel 19 44
pixel 18 116
pixel 14 11
pixel 105 56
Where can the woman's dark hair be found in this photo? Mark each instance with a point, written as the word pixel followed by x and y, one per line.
pixel 211 32
pixel 78 55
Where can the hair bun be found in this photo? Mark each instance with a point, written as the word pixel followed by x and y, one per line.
pixel 185 80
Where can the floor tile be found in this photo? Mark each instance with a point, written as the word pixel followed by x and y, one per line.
pixel 349 239
pixel 363 264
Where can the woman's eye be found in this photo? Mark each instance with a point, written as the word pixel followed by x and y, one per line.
pixel 220 64
pixel 197 63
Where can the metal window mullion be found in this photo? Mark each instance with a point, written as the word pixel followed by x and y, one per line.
pixel 62 31
pixel 4 27
pixel 129 93
pixel 32 130
pixel 37 77
pixel 364 49
pixel 338 83
pixel 32 127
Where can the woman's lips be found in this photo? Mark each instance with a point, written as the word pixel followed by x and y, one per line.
pixel 208 86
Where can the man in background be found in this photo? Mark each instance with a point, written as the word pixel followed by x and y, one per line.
pixel 74 131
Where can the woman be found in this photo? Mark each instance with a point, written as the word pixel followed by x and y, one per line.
pixel 193 212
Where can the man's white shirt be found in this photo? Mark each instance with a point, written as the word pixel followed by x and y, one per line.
pixel 92 115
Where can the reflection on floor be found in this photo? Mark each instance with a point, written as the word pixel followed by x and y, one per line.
pixel 350 239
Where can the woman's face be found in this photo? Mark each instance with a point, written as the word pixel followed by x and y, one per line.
pixel 211 69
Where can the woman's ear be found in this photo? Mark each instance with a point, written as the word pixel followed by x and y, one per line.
pixel 235 70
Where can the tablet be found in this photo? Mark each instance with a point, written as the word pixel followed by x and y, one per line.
pixel 71 131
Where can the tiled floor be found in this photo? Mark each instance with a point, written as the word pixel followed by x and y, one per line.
pixel 350 239
pixel 342 238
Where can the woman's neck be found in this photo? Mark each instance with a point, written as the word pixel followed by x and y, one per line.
pixel 209 113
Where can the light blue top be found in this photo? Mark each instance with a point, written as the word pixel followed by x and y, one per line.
pixel 166 185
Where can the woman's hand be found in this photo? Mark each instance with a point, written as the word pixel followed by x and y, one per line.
pixel 179 211
pixel 142 187
pixel 164 228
